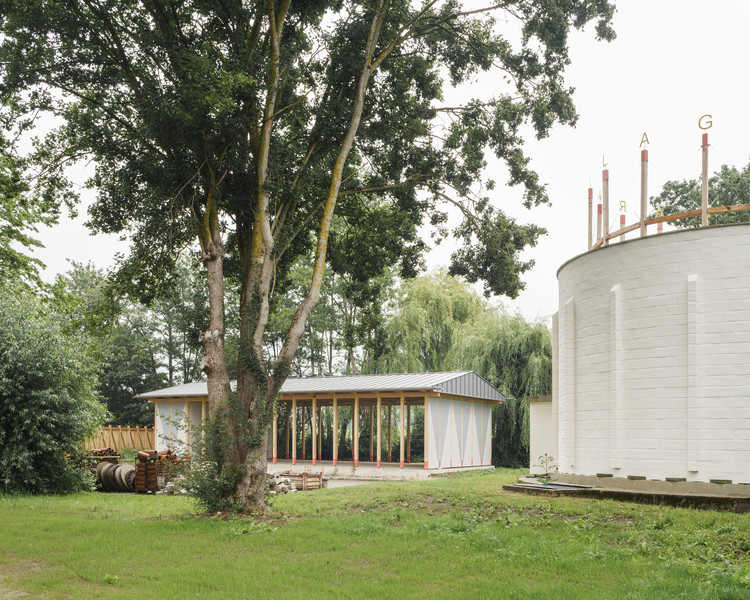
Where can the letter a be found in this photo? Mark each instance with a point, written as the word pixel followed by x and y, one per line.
pixel 644 140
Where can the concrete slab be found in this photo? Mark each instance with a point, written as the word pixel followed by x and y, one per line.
pixel 367 471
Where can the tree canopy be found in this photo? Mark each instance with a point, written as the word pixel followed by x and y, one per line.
pixel 728 186
pixel 248 125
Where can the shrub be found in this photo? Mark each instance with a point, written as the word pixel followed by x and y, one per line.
pixel 48 403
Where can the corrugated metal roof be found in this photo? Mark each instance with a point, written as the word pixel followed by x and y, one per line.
pixel 460 383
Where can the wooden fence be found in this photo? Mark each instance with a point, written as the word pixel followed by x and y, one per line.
pixel 119 437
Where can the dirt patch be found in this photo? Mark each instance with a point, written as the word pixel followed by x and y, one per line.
pixel 9 572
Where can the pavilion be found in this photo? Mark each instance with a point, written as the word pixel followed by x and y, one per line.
pixel 457 415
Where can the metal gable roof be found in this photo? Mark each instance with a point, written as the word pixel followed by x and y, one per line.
pixel 459 383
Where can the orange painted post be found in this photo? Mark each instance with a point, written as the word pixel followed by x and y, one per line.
pixel 335 431
pixel 372 429
pixel 644 190
pixel 303 432
pixel 408 433
pixel 605 201
pixel 275 434
pixel 379 437
pixel 622 224
pixel 314 430
pixel 704 182
pixel 401 448
pixel 591 217
pixel 294 430
pixel 320 433
pixel 355 430
pixel 389 433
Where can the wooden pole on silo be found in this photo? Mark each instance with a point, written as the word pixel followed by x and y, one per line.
pixel 644 190
pixel 591 217
pixel 704 182
pixel 605 202
pixel 598 222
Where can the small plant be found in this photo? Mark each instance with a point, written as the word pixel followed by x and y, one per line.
pixel 111 579
pixel 546 461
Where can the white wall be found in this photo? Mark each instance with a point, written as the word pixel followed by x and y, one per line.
pixel 653 357
pixel 459 433
pixel 542 440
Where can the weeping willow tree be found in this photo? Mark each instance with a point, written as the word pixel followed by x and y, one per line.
pixel 439 324
pixel 516 357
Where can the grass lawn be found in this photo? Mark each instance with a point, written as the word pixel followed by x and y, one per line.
pixel 458 537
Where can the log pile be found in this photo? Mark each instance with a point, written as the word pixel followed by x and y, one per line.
pixel 100 452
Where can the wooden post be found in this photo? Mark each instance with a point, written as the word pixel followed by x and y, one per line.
pixel 286 428
pixel 408 433
pixel 704 182
pixel 401 448
pixel 426 429
pixel 372 430
pixel 355 430
pixel 275 434
pixel 294 430
pixel 598 222
pixel 156 421
pixel 320 433
pixel 314 430
pixel 622 224
pixel 187 418
pixel 335 431
pixel 605 202
pixel 304 452
pixel 644 190
pixel 591 217
pixel 378 438
pixel 171 433
pixel 390 446
pixel 203 420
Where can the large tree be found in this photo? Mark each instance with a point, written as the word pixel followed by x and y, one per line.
pixel 247 123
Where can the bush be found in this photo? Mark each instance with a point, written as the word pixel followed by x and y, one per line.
pixel 48 403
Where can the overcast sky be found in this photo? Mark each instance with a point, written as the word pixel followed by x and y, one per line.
pixel 672 61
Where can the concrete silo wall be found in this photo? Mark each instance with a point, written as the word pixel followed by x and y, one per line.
pixel 652 358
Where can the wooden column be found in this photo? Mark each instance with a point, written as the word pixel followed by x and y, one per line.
pixel 303 433
pixel 704 182
pixel 379 436
pixel 408 433
pixel 372 429
pixel 390 446
pixel 355 430
pixel 403 425
pixel 320 433
pixel 335 431
pixel 294 430
pixel 187 418
pixel 591 217
pixel 605 203
pixel 644 190
pixel 426 429
pixel 314 430
pixel 286 428
pixel 203 420
pixel 275 433
pixel 598 222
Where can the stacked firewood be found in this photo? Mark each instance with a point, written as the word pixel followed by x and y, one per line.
pixel 104 452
